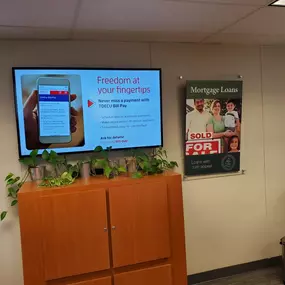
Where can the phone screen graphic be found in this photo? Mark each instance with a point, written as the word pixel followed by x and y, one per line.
pixel 54 110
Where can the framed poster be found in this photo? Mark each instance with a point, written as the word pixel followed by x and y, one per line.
pixel 213 127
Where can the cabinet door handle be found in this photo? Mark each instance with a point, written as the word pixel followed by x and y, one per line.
pixel 105 229
pixel 113 228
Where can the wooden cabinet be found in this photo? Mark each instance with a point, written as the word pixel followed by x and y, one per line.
pixel 139 222
pixel 99 281
pixel 160 275
pixel 74 239
pixel 104 232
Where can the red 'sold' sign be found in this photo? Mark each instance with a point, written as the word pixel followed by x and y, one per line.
pixel 199 136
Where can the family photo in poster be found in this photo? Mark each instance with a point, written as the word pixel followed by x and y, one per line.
pixel 213 127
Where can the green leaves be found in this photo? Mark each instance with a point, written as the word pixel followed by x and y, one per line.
pixel 65 179
pixel 107 171
pixel 137 175
pixel 74 170
pixel 101 152
pixel 51 153
pixel 59 163
pixel 13 185
pixel 34 153
pixel 12 192
pixel 98 148
pixel 16 179
pixel 53 158
pixel 30 161
pixel 21 183
pixel 45 155
pixel 67 176
pixel 12 180
pixel 122 169
pixel 155 163
pixel 3 215
pixel 9 176
pixel 101 161
pixel 173 164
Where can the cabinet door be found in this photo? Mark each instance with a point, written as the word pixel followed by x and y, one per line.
pixel 100 281
pixel 75 240
pixel 139 221
pixel 160 275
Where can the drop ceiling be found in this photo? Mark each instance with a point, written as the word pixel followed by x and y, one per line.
pixel 198 21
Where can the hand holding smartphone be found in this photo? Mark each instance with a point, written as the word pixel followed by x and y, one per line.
pixel 39 125
pixel 54 119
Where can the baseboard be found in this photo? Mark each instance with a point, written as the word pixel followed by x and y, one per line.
pixel 233 270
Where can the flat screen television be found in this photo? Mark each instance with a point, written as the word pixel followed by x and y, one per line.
pixel 76 109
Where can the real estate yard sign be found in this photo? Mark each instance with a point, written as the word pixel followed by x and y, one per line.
pixel 213 127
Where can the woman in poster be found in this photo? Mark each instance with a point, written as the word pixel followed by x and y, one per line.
pixel 216 124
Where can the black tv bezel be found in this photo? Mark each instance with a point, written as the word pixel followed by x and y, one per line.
pixel 85 68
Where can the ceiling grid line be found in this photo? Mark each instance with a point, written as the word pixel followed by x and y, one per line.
pixel 75 19
pixel 232 24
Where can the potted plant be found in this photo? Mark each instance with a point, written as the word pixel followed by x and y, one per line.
pixel 150 164
pixel 73 169
pixel 99 161
pixel 58 163
pixel 63 173
pixel 100 164
pixel 63 180
pixel 36 171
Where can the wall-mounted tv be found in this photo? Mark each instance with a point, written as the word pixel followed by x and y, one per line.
pixel 76 109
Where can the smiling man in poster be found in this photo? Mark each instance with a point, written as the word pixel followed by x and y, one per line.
pixel 198 118
pixel 213 126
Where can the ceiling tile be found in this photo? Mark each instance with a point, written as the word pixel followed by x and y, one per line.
pixel 35 13
pixel 157 15
pixel 266 21
pixel 264 27
pixel 33 33
pixel 139 36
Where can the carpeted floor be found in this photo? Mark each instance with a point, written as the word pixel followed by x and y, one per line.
pixel 270 276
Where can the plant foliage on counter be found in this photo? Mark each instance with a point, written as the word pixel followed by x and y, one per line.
pixel 101 160
pixel 64 179
pixel 64 173
pixel 155 163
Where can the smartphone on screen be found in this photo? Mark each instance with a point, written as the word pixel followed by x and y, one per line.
pixel 54 110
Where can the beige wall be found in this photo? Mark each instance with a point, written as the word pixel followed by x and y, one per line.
pixel 228 220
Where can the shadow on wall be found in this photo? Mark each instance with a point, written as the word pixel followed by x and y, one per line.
pixel 181 104
pixel 276 224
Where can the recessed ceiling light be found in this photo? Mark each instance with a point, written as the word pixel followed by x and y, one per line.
pixel 280 3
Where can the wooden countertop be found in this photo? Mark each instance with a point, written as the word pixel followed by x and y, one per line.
pixel 92 182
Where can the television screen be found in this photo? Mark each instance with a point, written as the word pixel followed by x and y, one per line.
pixel 74 110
